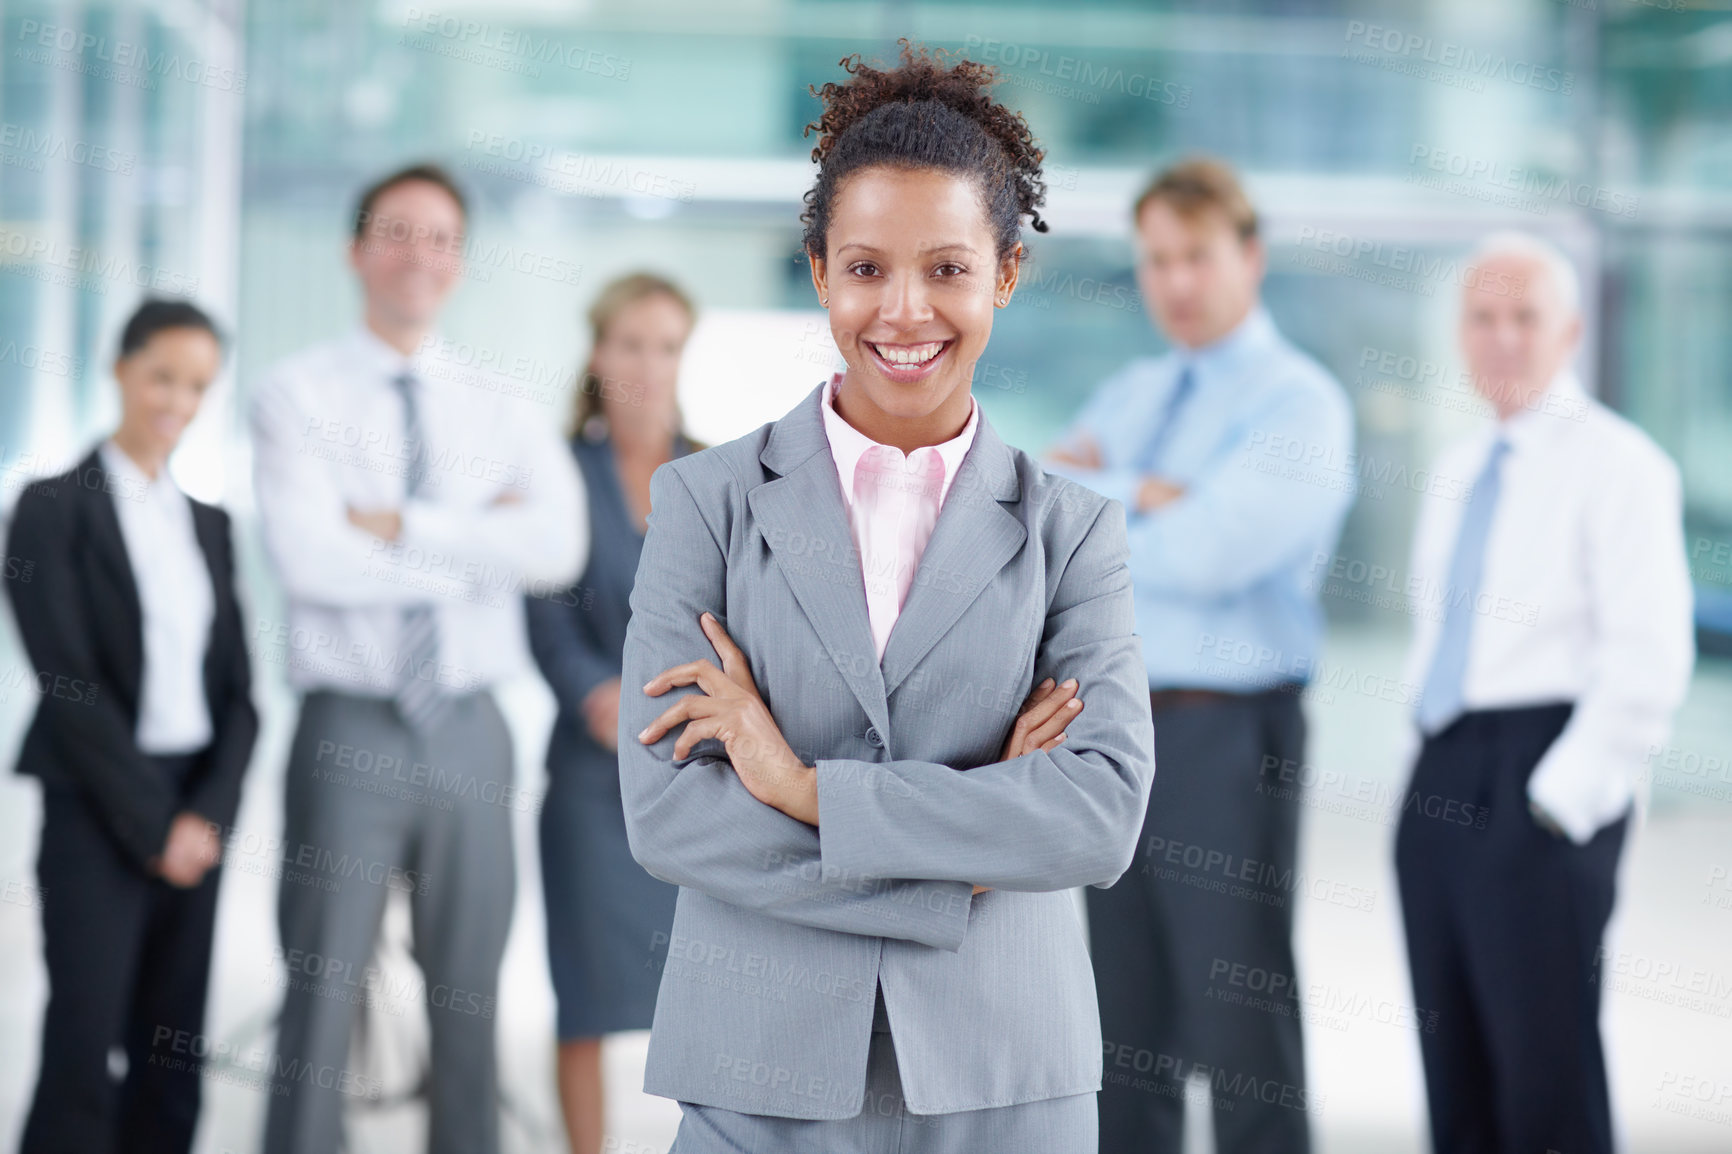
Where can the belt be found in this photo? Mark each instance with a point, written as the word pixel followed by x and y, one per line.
pixel 1160 699
pixel 178 766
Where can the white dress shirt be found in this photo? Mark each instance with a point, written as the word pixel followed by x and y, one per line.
pixel 500 512
pixel 1585 595
pixel 176 602
pixel 893 501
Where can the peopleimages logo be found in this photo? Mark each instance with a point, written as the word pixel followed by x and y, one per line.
pixel 33 146
pixel 36 359
pixel 1073 77
pixel 1416 49
pixel 1534 188
pixel 523 51
pixel 574 173
pixel 123 54
pixel 1397 258
pixel 85 266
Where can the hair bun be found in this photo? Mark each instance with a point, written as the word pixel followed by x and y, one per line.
pixel 923 76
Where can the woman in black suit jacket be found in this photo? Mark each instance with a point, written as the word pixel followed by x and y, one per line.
pixel 127 608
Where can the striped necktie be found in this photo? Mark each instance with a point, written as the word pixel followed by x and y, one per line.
pixel 421 700
pixel 1441 702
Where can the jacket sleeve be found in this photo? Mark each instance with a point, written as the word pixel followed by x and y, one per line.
pixel 569 664
pixel 1255 509
pixel 1047 820
pixel 218 795
pixel 542 534
pixel 1097 422
pixel 91 736
pixel 317 554
pixel 692 822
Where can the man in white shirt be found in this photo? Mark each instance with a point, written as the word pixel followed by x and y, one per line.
pixel 1563 647
pixel 406 511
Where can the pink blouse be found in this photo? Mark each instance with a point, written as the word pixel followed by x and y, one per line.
pixel 893 502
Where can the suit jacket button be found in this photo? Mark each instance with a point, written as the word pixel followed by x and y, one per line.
pixel 874 738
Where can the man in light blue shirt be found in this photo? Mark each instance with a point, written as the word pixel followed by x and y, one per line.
pixel 1233 457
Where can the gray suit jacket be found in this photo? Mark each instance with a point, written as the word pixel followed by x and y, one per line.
pixel 784 932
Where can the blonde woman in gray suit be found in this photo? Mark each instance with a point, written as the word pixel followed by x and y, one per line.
pixel 841 734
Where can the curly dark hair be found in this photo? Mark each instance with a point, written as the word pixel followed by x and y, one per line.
pixel 925 113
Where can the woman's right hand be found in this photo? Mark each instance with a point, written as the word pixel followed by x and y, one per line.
pixel 601 713
pixel 1045 715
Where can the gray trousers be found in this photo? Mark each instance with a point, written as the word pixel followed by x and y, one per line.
pixel 371 807
pixel 1067 1125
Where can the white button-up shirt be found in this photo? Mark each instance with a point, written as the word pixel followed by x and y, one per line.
pixel 893 500
pixel 500 512
pixel 1585 595
pixel 176 602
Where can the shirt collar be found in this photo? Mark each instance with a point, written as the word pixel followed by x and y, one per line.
pixel 1246 339
pixel 848 444
pixel 374 354
pixel 1560 404
pixel 134 479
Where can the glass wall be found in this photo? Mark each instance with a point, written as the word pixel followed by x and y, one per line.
pixel 215 148
pixel 671 135
pixel 120 133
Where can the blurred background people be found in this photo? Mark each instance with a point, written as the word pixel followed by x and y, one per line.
pixel 607 919
pixel 404 508
pixel 1379 142
pixel 1223 544
pixel 141 736
pixel 1563 650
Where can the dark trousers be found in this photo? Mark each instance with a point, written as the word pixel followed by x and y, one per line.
pixel 1504 921
pixel 128 958
pixel 1211 887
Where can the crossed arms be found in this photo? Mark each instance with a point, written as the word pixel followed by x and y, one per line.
pixel 900 845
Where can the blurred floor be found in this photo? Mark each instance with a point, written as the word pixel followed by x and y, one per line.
pixel 1670 943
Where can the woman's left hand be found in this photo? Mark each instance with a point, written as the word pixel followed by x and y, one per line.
pixel 731 711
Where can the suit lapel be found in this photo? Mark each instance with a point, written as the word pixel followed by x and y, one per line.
pixel 805 524
pixel 803 521
pixel 106 539
pixel 973 539
pixel 106 546
pixel 207 527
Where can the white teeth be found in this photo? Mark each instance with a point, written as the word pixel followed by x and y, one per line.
pixel 910 355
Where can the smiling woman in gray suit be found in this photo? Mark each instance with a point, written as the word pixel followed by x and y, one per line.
pixel 871 807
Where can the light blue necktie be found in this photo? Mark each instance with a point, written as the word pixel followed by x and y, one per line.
pixel 421 700
pixel 1441 702
pixel 1150 459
